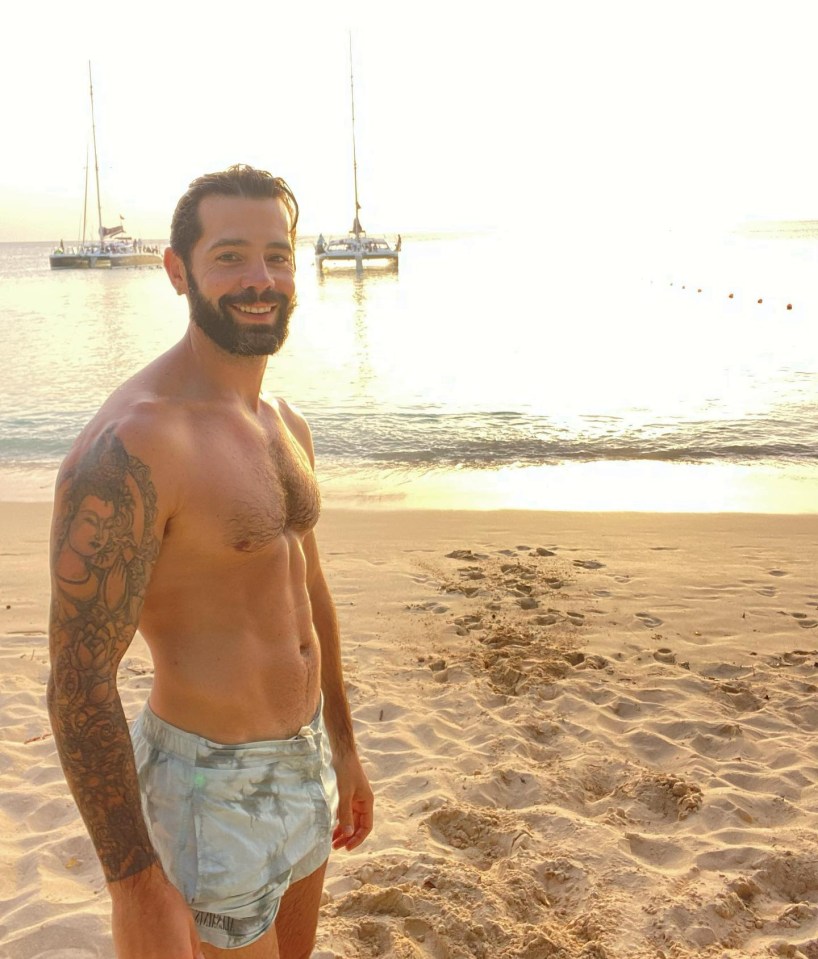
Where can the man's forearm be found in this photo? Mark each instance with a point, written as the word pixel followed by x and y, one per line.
pixel 95 750
pixel 336 706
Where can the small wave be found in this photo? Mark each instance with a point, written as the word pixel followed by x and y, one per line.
pixel 486 439
pixel 422 438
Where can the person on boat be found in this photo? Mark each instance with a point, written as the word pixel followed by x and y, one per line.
pixel 320 244
pixel 187 508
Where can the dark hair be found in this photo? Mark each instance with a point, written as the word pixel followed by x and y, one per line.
pixel 239 180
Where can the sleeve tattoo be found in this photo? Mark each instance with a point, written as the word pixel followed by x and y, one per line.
pixel 103 549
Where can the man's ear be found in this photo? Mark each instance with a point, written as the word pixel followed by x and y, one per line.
pixel 176 271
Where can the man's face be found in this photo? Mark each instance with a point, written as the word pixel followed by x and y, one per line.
pixel 241 283
pixel 90 528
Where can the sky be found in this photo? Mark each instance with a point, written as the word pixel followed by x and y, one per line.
pixel 523 116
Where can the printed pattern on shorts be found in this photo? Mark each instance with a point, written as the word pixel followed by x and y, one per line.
pixel 234 826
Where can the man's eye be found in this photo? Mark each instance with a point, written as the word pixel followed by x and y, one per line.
pixel 227 257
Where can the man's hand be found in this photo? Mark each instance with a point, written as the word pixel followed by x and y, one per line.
pixel 151 920
pixel 355 803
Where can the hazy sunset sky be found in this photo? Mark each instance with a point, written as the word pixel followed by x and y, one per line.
pixel 515 114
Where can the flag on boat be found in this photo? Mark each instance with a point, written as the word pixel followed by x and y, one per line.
pixel 111 230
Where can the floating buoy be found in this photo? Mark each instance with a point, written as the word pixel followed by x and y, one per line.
pixel 730 296
pixel 789 306
pixel 698 291
pixel 760 300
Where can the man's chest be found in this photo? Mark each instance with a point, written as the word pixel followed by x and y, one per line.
pixel 249 489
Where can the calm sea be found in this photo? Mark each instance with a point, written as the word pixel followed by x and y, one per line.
pixel 557 371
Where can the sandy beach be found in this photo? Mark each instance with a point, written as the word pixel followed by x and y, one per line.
pixel 590 735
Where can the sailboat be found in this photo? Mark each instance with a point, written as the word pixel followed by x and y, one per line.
pixel 114 247
pixel 356 246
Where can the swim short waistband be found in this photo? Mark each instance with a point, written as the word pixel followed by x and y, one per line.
pixel 203 752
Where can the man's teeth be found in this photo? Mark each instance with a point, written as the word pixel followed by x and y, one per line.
pixel 254 309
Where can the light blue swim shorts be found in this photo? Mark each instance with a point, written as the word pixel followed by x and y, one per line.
pixel 234 826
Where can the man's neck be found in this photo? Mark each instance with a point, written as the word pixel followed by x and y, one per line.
pixel 224 372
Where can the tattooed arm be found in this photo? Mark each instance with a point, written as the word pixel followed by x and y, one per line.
pixel 105 540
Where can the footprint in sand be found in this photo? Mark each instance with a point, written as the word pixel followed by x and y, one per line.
pixel 521 569
pixel 655 850
pixel 667 796
pixel 482 836
pixel 798 657
pixel 804 621
pixel 581 661
pixel 542 551
pixel 374 936
pixel 430 607
pixel 650 622
pixel 588 564
pixel 519 587
pixel 464 590
pixel 777 572
pixel 740 696
pixel 785 876
pixel 767 591
pixel 466 554
pixel 424 933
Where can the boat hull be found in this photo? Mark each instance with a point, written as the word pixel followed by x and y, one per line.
pixel 96 261
pixel 356 249
pixel 389 258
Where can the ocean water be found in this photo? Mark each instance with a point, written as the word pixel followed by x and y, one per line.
pixel 567 370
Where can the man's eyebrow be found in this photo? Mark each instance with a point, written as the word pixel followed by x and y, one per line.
pixel 228 241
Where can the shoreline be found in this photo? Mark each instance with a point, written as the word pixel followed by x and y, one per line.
pixel 590 735
pixel 642 486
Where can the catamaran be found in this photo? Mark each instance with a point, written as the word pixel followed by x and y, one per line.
pixel 115 247
pixel 356 246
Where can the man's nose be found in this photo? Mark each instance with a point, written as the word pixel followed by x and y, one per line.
pixel 257 274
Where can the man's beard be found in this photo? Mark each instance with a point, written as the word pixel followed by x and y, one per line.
pixel 242 339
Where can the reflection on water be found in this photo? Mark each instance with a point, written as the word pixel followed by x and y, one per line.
pixel 481 351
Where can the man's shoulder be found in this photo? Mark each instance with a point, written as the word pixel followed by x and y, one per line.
pixel 293 419
pixel 138 434
pixel 143 420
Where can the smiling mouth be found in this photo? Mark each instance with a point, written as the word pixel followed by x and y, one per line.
pixel 259 310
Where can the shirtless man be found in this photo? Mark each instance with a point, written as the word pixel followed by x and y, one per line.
pixel 186 509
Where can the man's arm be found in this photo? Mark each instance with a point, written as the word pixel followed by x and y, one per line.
pixel 355 798
pixel 105 539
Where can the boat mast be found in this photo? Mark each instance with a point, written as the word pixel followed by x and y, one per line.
pixel 85 200
pixel 357 229
pixel 96 161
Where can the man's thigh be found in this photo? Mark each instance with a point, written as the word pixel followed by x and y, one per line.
pixel 292 935
pixel 264 948
pixel 297 917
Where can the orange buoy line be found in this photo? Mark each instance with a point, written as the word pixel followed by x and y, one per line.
pixel 730 296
